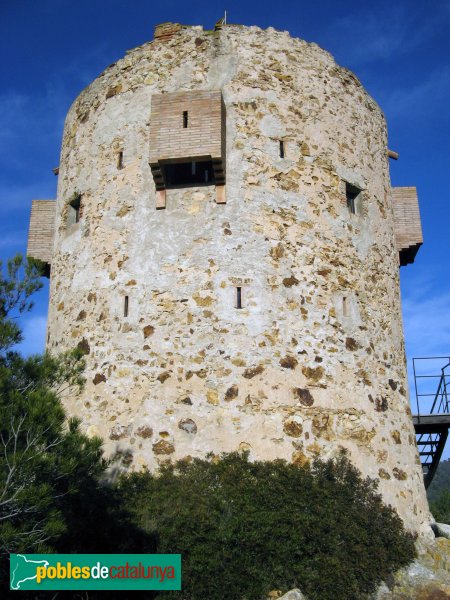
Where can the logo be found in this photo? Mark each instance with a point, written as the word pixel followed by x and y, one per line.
pixel 95 572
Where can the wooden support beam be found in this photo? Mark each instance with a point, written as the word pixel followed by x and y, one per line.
pixel 160 199
pixel 220 194
pixel 392 154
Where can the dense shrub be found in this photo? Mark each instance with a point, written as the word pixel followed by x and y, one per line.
pixel 245 528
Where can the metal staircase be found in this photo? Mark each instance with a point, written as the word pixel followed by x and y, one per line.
pixel 432 420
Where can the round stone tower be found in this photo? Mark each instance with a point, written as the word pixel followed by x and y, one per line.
pixel 225 254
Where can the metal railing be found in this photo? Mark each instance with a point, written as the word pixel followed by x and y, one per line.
pixel 431 440
pixel 440 398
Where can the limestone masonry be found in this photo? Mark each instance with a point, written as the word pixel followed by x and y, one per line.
pixel 225 250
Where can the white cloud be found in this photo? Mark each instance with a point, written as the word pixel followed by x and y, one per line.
pixel 33 122
pixel 27 121
pixel 427 323
pixel 34 332
pixel 18 196
pixel 385 32
pixel 420 99
pixel 12 239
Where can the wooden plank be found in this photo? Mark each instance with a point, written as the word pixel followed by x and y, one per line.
pixel 161 199
pixel 221 197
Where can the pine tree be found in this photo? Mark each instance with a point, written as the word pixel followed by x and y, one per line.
pixel 46 463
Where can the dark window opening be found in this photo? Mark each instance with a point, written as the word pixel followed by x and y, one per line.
pixel 282 149
pixel 185 119
pixel 352 193
pixel 125 307
pixel 188 174
pixel 238 297
pixel 74 211
pixel 120 160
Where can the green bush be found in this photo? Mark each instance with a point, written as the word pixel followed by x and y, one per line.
pixel 245 528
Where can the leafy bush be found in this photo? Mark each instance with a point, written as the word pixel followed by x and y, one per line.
pixel 245 528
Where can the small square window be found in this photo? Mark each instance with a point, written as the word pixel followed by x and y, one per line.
pixel 74 211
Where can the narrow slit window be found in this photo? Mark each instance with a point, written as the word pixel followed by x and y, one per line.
pixel 352 193
pixel 238 297
pixel 185 119
pixel 282 152
pixel 125 306
pixel 120 160
pixel 345 306
pixel 74 211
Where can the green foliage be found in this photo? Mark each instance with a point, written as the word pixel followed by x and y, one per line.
pixel 245 528
pixel 21 280
pixel 46 464
pixel 43 460
pixel 439 493
pixel 441 480
pixel 440 507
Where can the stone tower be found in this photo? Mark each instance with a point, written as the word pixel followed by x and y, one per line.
pixel 225 248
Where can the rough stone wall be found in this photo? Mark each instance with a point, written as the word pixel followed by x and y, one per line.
pixel 314 361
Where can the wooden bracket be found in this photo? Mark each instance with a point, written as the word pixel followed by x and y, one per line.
pixel 392 154
pixel 220 194
pixel 160 199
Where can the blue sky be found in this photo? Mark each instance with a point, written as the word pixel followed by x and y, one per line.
pixel 400 50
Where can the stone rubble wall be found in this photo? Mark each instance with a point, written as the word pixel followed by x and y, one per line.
pixel 314 361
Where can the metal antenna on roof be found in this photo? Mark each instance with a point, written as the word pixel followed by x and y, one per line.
pixel 220 22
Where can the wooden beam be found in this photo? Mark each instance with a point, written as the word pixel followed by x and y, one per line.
pixel 392 154
pixel 220 194
pixel 161 199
